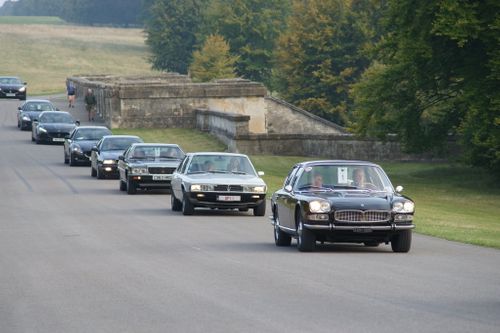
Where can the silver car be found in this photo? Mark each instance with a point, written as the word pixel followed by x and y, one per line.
pixel 218 180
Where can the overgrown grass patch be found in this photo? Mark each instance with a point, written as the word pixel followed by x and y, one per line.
pixel 53 20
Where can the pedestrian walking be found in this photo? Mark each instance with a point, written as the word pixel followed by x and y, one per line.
pixel 90 103
pixel 70 87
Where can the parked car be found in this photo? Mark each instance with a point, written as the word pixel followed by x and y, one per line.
pixel 148 166
pixel 104 155
pixel 12 87
pixel 52 126
pixel 78 145
pixel 341 201
pixel 30 110
pixel 217 180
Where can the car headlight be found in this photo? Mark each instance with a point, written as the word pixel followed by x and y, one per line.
pixel 139 170
pixel 403 207
pixel 26 118
pixel 202 188
pixel 108 162
pixel 255 189
pixel 319 206
pixel 22 89
pixel 77 149
pixel 41 129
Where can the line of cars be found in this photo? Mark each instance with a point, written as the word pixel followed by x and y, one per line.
pixel 320 201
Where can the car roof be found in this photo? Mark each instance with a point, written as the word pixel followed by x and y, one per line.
pixel 37 101
pixel 9 77
pixel 121 136
pixel 217 154
pixel 56 112
pixel 335 162
pixel 142 144
pixel 92 127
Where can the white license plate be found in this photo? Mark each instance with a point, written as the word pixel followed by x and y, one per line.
pixel 58 139
pixel 228 198
pixel 10 94
pixel 162 177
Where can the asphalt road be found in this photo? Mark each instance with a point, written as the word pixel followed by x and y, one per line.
pixel 78 255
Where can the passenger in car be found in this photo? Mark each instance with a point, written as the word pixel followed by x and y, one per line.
pixel 358 176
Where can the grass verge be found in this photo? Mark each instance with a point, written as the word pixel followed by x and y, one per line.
pixel 54 20
pixel 453 201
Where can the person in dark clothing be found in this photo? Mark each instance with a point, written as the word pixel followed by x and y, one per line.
pixel 90 104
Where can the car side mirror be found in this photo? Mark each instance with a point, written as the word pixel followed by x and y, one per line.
pixel 288 188
pixel 399 189
pixel 19 108
pixel 121 157
pixel 94 148
pixel 25 83
pixel 260 173
pixel 35 120
pixel 77 123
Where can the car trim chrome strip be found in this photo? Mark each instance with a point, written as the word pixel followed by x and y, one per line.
pixel 377 227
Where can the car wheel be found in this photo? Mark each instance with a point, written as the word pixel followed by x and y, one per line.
pixel 306 241
pixel 260 210
pixel 281 238
pixel 93 172
pixel 131 187
pixel 32 138
pixel 99 173
pixel 66 159
pixel 187 206
pixel 174 203
pixel 19 125
pixel 123 185
pixel 72 160
pixel 37 141
pixel 401 242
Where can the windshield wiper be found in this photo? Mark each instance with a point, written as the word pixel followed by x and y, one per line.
pixel 239 172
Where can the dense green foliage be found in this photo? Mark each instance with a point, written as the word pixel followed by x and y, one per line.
pixel 213 61
pixel 103 12
pixel 171 29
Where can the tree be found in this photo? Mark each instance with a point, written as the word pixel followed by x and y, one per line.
pixel 171 33
pixel 437 74
pixel 213 61
pixel 324 50
pixel 251 27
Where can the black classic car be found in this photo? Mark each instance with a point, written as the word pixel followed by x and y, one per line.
pixel 148 166
pixel 30 110
pixel 104 155
pixel 78 146
pixel 12 87
pixel 52 127
pixel 218 180
pixel 341 201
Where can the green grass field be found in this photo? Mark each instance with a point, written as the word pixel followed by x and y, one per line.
pixel 44 55
pixel 453 201
pixel 31 20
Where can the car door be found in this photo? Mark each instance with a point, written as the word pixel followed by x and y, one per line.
pixel 122 165
pixel 177 177
pixel 284 198
pixel 94 154
pixel 67 142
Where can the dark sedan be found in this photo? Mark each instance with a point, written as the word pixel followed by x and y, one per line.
pixel 104 156
pixel 30 110
pixel 52 127
pixel 217 180
pixel 148 166
pixel 12 87
pixel 341 201
pixel 78 146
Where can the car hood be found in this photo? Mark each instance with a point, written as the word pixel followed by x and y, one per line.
pixel 111 154
pixel 11 86
pixel 31 114
pixel 155 163
pixel 225 178
pixel 57 126
pixel 364 200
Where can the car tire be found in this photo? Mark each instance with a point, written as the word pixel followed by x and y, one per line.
pixel 93 172
pixel 306 240
pixel 260 210
pixel 175 204
pixel 401 242
pixel 131 187
pixel 72 161
pixel 19 125
pixel 37 141
pixel 123 185
pixel 32 138
pixel 281 238
pixel 66 159
pixel 99 173
pixel 187 206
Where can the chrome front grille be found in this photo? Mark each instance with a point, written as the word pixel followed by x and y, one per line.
pixel 362 216
pixel 161 170
pixel 228 188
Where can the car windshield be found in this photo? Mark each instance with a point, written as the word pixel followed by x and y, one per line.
pixel 93 134
pixel 118 143
pixel 156 152
pixel 38 106
pixel 347 177
pixel 221 164
pixel 10 80
pixel 58 117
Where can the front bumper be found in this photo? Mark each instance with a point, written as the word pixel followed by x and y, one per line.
pixel 110 170
pixel 360 228
pixel 81 157
pixel 12 94
pixel 151 181
pixel 54 137
pixel 226 199
pixel 26 124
